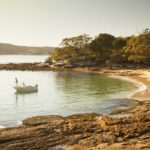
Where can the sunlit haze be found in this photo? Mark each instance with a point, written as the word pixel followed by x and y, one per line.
pixel 47 22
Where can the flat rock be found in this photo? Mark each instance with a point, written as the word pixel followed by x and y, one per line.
pixel 81 131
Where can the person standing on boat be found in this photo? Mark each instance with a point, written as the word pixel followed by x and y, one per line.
pixel 16 81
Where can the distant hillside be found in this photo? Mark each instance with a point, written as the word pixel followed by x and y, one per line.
pixel 9 49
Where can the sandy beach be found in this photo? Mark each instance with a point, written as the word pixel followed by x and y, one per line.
pixel 145 79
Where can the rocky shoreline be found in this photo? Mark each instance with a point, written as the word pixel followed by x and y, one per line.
pixel 48 67
pixel 25 67
pixel 82 131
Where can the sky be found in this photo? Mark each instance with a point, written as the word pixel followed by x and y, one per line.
pixel 47 22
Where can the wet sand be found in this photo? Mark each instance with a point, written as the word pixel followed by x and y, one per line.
pixel 145 79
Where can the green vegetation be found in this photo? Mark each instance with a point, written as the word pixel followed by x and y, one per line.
pixel 105 48
pixel 137 49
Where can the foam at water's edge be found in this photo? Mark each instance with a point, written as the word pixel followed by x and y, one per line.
pixel 141 87
pixel 19 122
pixel 1 127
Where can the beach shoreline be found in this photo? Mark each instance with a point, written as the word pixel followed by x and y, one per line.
pixel 139 77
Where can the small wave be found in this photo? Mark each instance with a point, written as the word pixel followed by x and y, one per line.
pixel 2 127
pixel 19 122
pixel 141 87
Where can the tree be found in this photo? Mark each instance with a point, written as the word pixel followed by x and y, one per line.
pixel 74 48
pixel 135 49
pixel 117 46
pixel 138 48
pixel 79 41
pixel 103 45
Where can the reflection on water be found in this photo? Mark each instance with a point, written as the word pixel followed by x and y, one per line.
pixel 60 93
pixel 90 85
pixel 21 98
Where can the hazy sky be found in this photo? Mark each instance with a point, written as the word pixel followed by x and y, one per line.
pixel 47 22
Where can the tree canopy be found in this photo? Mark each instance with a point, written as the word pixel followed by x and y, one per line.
pixel 106 47
pixel 79 41
pixel 138 48
pixel 102 44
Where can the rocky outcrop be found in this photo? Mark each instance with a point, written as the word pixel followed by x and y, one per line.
pixel 32 67
pixel 26 67
pixel 81 131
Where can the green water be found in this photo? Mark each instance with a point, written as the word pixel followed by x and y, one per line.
pixel 61 93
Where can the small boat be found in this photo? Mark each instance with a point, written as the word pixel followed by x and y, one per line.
pixel 25 89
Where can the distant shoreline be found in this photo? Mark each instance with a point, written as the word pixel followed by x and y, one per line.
pixel 10 49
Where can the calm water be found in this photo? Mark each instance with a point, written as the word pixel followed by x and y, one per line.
pixel 22 58
pixel 60 93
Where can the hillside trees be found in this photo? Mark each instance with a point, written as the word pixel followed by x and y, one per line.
pixel 102 45
pixel 106 48
pixel 75 49
pixel 138 48
pixel 79 41
pixel 116 51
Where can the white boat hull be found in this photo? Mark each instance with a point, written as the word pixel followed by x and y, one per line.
pixel 26 89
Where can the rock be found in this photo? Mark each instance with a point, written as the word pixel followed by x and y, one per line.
pixel 77 147
pixel 26 67
pixel 81 131
pixel 48 119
